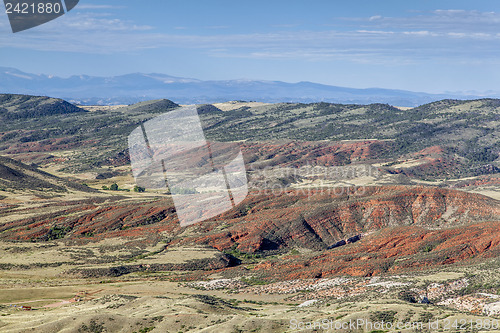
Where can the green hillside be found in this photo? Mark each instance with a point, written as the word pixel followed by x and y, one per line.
pixel 467 131
pixel 14 106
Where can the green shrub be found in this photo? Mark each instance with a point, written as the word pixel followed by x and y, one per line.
pixel 388 316
pixel 425 317
pixel 139 189
pixel 57 232
pixel 93 327
pixel 253 281
pixel 407 296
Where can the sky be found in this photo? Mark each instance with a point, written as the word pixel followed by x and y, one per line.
pixel 429 46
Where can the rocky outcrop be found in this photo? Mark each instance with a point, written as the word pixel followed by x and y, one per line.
pixel 320 219
pixel 403 228
pixel 393 250
pixel 263 222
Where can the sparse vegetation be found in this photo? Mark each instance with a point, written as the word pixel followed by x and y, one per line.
pixel 145 329
pixel 473 152
pixel 254 281
pixel 57 232
pixel 243 256
pixel 408 296
pixel 388 316
pixel 115 187
pixel 93 327
pixel 425 317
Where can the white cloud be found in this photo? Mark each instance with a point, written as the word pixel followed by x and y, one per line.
pixel 439 35
pixel 420 33
pixel 450 20
pixel 93 6
pixel 376 32
pixel 84 23
pixel 449 11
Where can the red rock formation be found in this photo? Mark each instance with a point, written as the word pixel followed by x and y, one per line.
pixel 296 154
pixel 393 250
pixel 404 228
pixel 314 219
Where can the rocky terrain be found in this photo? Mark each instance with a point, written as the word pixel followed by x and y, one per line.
pixel 353 211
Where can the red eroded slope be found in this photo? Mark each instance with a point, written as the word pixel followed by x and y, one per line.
pixel 262 222
pixel 393 250
pixel 324 153
pixel 320 218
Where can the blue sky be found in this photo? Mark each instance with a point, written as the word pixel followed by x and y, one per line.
pixel 431 46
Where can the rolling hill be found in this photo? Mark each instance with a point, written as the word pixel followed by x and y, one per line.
pixel 18 176
pixel 15 106
pixel 444 139
pixel 352 212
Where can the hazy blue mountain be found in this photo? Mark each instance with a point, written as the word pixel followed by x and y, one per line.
pixel 136 87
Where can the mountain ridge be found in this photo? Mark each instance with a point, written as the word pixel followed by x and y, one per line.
pixel 136 87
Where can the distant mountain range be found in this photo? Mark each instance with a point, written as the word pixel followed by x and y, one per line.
pixel 136 87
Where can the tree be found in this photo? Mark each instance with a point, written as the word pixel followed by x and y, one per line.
pixel 408 296
pixel 139 189
pixel 114 187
